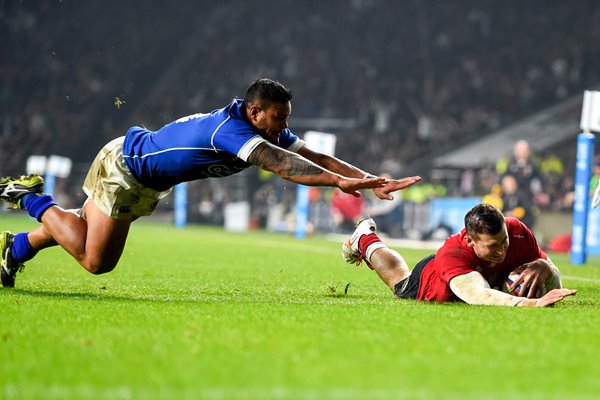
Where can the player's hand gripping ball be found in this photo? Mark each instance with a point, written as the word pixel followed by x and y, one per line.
pixel 518 290
pixel 508 283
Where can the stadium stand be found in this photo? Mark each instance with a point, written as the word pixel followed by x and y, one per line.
pixel 412 80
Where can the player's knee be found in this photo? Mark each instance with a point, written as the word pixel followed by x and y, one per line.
pixel 104 270
pixel 98 267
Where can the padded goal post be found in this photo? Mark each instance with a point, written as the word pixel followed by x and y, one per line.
pixel 590 122
pixel 322 142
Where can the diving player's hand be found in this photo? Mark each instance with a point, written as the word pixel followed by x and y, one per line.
pixel 394 185
pixel 352 186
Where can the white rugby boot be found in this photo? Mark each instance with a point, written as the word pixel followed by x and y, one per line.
pixel 350 249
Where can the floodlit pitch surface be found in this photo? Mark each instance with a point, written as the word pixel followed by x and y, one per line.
pixel 204 314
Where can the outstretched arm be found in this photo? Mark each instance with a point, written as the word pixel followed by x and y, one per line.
pixel 343 168
pixel 472 288
pixel 332 164
pixel 295 168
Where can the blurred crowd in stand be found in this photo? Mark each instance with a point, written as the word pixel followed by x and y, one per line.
pixel 407 80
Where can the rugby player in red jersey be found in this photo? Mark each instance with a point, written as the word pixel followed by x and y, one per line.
pixel 471 266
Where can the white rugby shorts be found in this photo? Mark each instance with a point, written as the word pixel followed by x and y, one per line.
pixel 114 190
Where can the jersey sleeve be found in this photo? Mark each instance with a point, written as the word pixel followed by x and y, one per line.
pixel 241 140
pixel 236 138
pixel 249 147
pixel 289 141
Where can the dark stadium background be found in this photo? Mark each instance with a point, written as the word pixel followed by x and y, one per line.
pixel 399 82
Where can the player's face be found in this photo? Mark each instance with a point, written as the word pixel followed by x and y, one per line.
pixel 272 120
pixel 491 248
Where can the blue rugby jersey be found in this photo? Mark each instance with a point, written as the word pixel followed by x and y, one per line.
pixel 196 147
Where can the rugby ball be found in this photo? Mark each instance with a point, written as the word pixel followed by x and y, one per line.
pixel 508 283
pixel 517 290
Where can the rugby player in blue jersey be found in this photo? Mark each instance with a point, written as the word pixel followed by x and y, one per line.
pixel 132 173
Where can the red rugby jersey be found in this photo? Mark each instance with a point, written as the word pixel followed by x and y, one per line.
pixel 455 258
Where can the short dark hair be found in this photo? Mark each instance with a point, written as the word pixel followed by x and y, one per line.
pixel 266 91
pixel 484 218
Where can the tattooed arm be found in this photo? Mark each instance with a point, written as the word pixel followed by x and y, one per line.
pixel 343 168
pixel 298 169
pixel 332 163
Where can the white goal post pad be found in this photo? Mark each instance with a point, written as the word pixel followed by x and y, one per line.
pixel 320 141
pixel 590 112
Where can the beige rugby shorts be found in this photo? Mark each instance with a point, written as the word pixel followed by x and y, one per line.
pixel 114 190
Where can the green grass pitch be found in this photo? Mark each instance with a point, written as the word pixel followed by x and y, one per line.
pixel 200 313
